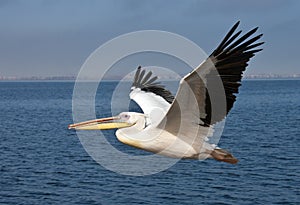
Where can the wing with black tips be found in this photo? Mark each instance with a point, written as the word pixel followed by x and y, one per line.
pixel 191 112
pixel 148 93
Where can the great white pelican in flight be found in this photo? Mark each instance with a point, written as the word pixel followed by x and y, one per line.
pixel 182 125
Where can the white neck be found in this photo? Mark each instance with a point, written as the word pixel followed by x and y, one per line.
pixel 126 135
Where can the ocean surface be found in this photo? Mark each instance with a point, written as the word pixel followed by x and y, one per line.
pixel 42 162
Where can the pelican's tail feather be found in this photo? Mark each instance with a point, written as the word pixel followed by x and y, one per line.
pixel 224 156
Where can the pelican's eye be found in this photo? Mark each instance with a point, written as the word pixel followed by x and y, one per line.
pixel 125 116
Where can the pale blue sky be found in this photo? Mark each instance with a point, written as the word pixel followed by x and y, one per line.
pixel 53 38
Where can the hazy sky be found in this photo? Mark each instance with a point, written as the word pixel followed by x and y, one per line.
pixel 53 38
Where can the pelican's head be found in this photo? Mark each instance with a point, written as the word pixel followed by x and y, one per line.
pixel 123 120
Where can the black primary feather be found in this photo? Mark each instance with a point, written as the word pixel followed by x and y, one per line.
pixel 231 59
pixel 144 81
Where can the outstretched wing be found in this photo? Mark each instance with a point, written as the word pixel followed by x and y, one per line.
pixel 148 93
pixel 207 94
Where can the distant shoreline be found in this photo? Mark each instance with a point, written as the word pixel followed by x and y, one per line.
pixel 292 78
pixel 114 80
pixel 129 78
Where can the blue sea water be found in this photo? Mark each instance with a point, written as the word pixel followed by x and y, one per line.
pixel 42 162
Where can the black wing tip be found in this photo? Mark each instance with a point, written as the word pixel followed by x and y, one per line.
pixel 232 41
pixel 255 29
pixel 234 27
pixel 230 36
pixel 231 59
pixel 236 24
pixel 260 35
pixel 147 83
pixel 142 78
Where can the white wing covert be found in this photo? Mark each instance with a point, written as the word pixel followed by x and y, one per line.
pixel 150 95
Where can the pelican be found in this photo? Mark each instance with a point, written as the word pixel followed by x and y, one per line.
pixel 180 126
